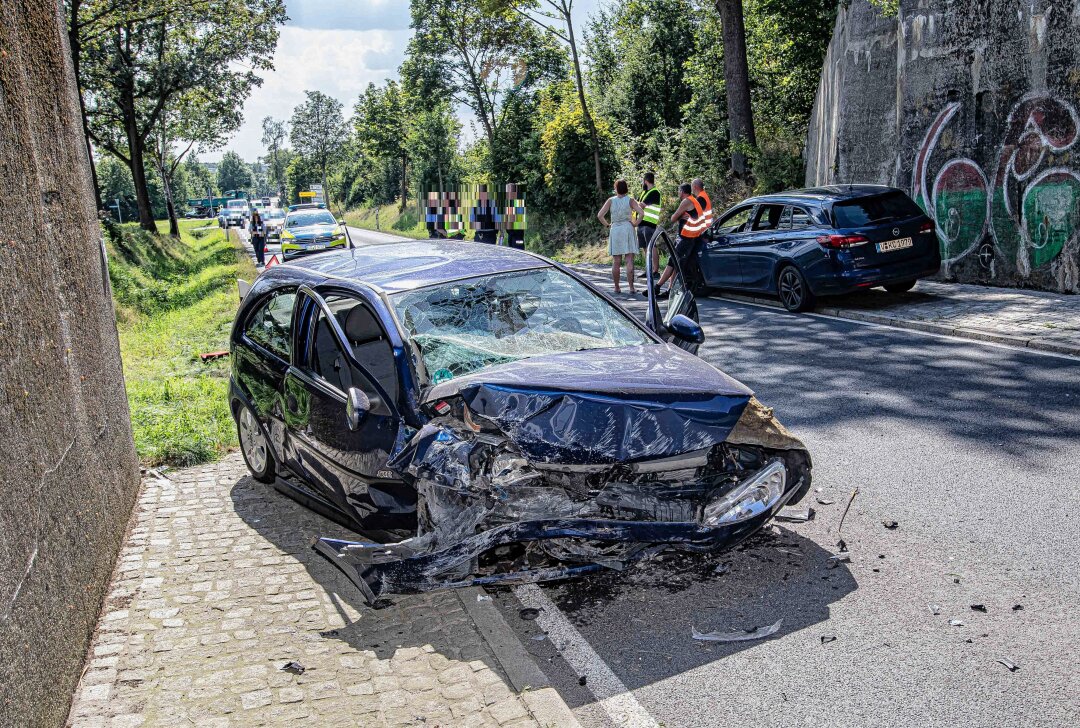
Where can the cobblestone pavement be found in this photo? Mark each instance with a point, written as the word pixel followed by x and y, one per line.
pixel 1035 319
pixel 217 588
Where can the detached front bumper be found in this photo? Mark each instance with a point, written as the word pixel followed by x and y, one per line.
pixel 406 567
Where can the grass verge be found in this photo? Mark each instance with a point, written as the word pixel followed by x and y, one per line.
pixel 174 300
pixel 391 219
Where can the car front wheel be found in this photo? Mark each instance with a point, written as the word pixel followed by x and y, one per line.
pixel 794 293
pixel 254 445
pixel 901 287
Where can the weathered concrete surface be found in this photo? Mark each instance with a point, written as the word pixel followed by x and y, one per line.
pixel 68 474
pixel 970 105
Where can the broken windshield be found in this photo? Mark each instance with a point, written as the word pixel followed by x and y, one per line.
pixel 467 325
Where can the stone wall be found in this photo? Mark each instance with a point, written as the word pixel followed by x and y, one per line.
pixel 68 472
pixel 971 106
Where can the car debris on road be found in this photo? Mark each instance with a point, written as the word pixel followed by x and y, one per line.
pixel 741 636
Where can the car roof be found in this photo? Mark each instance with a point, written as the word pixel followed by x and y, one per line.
pixel 824 194
pixel 414 264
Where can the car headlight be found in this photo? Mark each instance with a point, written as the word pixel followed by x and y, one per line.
pixel 751 498
pixel 338 236
pixel 287 235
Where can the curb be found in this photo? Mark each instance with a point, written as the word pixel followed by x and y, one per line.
pixel 1020 342
pixel 541 700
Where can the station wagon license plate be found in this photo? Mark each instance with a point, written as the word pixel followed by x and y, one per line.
pixel 890 245
pixel 320 246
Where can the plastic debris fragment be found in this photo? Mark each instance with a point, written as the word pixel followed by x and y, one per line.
pixel 934 608
pixel 294 667
pixel 1009 664
pixel 978 608
pixel 827 638
pixel 483 598
pixel 837 559
pixel 956 623
pixel 891 525
pixel 1018 607
pixel 796 516
pixel 825 501
pixel 744 636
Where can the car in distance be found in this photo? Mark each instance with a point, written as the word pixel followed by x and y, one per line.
pixel 274 218
pixel 483 415
pixel 821 241
pixel 236 212
pixel 311 230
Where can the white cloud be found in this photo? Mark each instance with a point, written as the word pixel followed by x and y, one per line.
pixel 340 63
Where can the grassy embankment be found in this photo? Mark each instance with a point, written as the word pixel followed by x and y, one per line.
pixel 391 220
pixel 174 300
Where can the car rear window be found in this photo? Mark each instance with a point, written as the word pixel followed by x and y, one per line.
pixel 873 210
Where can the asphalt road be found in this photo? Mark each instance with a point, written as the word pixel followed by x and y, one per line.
pixel 971 448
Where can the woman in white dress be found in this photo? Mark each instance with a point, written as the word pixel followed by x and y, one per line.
pixel 622 239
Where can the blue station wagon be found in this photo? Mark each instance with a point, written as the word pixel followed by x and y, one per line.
pixel 480 414
pixel 816 242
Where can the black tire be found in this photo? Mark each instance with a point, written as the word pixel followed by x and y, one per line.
pixel 253 444
pixel 795 294
pixel 901 287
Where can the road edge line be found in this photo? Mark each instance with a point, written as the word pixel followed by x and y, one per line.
pixel 541 699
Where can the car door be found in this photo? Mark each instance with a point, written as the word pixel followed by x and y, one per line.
pixel 756 248
pixel 675 318
pixel 341 412
pixel 260 361
pixel 719 254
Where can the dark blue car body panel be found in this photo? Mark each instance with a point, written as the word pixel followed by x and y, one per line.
pixel 751 260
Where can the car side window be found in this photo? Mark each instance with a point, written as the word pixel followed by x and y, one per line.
pixel 733 222
pixel 800 218
pixel 369 343
pixel 767 217
pixel 270 325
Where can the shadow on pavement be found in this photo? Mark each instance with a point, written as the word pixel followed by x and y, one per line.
pixel 435 619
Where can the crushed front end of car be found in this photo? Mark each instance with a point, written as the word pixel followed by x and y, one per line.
pixel 521 483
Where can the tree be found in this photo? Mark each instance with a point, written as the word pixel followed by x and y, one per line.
pixel 477 52
pixel 200 182
pixel 317 131
pixel 273 136
pixel 233 173
pixel 137 60
pixel 737 81
pixel 566 149
pixel 380 126
pixel 559 12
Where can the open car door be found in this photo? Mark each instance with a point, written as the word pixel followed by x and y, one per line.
pixel 675 318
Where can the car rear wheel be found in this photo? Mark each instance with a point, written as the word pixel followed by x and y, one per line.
pixel 253 445
pixel 902 287
pixel 794 293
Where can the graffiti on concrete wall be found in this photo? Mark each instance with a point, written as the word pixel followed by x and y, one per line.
pixel 1029 212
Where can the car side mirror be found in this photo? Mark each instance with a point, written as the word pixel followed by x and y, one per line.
pixel 686 329
pixel 356 406
pixel 341 221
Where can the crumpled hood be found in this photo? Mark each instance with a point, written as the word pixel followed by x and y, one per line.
pixel 604 406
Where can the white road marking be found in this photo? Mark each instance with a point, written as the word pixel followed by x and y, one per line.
pixel 614 698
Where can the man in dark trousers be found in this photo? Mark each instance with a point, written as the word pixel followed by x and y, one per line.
pixel 650 200
pixel 690 215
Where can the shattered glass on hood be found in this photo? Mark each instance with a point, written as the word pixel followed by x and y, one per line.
pixel 468 325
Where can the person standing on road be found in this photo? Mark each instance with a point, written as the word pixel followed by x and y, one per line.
pixel 258 237
pixel 690 216
pixel 622 241
pixel 650 218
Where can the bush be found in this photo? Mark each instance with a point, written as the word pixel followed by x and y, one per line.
pixel 569 169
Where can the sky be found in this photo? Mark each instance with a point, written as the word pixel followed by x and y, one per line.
pixel 333 46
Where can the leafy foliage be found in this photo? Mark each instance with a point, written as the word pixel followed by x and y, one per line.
pixel 233 173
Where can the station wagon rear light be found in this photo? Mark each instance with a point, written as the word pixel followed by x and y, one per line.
pixel 841 241
pixel 927 227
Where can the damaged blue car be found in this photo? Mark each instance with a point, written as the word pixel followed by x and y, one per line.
pixel 483 415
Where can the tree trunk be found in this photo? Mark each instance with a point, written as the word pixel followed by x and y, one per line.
pixel 170 206
pixel 137 163
pixel 584 106
pixel 75 49
pixel 737 82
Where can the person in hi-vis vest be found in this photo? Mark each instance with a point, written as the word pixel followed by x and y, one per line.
pixel 650 218
pixel 690 216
